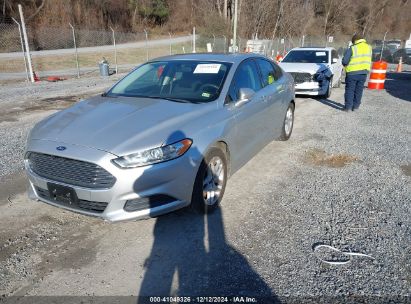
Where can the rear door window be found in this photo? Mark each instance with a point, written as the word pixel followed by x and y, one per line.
pixel 267 71
pixel 278 73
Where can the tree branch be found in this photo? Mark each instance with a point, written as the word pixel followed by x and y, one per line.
pixel 37 11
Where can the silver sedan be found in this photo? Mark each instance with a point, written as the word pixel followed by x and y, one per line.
pixel 167 135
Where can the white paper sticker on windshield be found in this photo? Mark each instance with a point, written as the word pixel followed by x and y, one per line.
pixel 320 54
pixel 207 68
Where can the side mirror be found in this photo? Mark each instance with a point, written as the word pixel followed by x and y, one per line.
pixel 245 95
pixel 335 60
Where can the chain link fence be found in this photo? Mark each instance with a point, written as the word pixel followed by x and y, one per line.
pixel 68 51
pixel 59 51
pixel 9 37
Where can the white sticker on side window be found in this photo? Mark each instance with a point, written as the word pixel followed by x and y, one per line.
pixel 207 68
pixel 320 54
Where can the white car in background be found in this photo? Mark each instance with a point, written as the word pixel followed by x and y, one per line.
pixel 316 70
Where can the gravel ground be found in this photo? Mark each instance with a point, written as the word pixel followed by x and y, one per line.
pixel 342 180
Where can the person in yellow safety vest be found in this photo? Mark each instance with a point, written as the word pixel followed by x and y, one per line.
pixel 357 63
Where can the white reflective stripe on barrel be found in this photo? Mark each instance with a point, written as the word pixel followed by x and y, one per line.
pixel 379 71
pixel 376 81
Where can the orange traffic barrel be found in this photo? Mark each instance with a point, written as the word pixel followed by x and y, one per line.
pixel 279 58
pixel 377 76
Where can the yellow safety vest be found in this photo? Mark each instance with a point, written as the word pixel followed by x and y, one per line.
pixel 360 58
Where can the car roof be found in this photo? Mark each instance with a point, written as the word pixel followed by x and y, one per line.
pixel 312 48
pixel 229 57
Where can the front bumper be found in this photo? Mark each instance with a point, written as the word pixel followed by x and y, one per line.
pixel 311 88
pixel 174 179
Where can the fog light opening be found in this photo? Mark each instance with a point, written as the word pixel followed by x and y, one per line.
pixel 149 202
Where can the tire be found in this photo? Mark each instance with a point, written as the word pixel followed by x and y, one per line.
pixel 329 89
pixel 287 130
pixel 199 202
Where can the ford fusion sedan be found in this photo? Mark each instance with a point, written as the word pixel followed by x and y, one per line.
pixel 169 134
pixel 315 70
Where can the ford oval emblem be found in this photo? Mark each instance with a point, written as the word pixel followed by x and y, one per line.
pixel 61 148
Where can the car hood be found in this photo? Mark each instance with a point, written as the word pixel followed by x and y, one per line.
pixel 311 68
pixel 121 125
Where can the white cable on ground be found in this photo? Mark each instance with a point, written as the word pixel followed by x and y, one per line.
pixel 349 254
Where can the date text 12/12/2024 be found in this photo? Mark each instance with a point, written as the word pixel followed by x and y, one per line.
pixel 234 299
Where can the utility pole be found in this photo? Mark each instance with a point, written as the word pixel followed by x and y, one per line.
pixel 171 50
pixel 225 10
pixel 235 26
pixel 4 10
pixel 26 42
pixel 194 39
pixel 22 48
pixel 75 50
pixel 115 49
pixel 383 43
pixel 145 32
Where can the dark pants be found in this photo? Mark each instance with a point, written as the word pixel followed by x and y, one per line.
pixel 354 86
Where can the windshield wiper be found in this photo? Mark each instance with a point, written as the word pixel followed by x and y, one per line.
pixel 168 98
pixel 109 96
pixel 145 96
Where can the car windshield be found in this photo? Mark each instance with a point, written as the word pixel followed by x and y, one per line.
pixel 307 56
pixel 175 80
pixel 392 48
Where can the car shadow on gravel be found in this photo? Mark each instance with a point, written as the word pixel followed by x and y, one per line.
pixel 326 101
pixel 331 103
pixel 191 249
pixel 399 85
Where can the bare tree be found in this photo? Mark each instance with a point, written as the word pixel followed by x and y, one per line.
pixel 370 13
pixel 37 9
pixel 267 18
pixel 279 12
pixel 219 8
pixel 334 14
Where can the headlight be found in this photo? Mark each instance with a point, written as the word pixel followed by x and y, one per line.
pixel 153 156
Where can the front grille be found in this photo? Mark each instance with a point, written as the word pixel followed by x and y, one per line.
pixel 301 77
pixel 70 171
pixel 97 207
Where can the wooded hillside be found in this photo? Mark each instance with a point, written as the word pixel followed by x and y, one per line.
pixel 267 18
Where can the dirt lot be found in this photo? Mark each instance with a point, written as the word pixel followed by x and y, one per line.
pixel 343 179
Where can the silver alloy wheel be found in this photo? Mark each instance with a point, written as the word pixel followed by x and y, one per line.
pixel 288 124
pixel 213 180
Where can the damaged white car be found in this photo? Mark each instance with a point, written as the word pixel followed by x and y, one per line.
pixel 315 70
